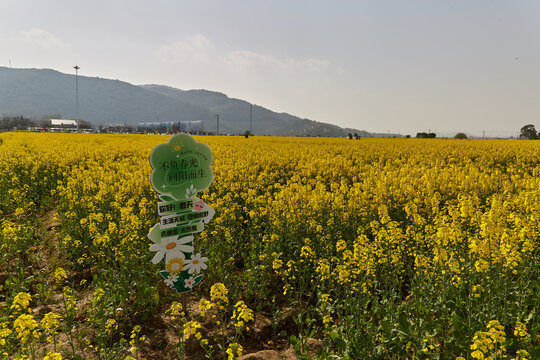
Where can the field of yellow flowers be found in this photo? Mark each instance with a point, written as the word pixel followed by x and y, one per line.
pixel 325 248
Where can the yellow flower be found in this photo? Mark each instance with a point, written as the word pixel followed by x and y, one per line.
pixel 218 292
pixel 234 351
pixel 327 320
pixel 24 327
pixel 325 298
pixel 71 302
pixel 52 356
pixel 520 330
pixel 175 309
pixel 204 306
pixel 241 314
pixel 190 328
pixel 50 322
pixel 341 245
pixel 277 264
pixel 4 333
pixel 98 294
pixel 110 326
pixel 60 275
pixel 21 301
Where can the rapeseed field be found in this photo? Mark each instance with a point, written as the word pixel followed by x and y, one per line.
pixel 319 249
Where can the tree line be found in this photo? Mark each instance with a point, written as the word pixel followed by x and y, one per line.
pixel 9 123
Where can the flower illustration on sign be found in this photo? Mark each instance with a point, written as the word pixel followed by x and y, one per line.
pixel 171 279
pixel 199 205
pixel 171 247
pixel 175 265
pixel 196 264
pixel 189 282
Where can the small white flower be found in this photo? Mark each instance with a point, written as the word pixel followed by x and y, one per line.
pixel 196 264
pixel 171 279
pixel 189 282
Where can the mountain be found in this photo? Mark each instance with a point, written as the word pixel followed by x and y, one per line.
pixel 39 92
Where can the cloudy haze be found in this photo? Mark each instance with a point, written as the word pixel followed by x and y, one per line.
pixel 381 66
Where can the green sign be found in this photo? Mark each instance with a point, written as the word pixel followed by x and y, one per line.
pixel 182 218
pixel 173 207
pixel 181 167
pixel 157 232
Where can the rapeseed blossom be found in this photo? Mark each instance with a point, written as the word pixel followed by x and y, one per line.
pixel 191 328
pixel 53 356
pixel 218 293
pixel 21 301
pixel 25 326
pixel 175 310
pixel 520 330
pixel 234 351
pixel 352 221
pixel 241 314
pixel 50 321
pixel 60 275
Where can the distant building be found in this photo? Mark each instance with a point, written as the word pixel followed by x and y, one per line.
pixel 171 126
pixel 63 123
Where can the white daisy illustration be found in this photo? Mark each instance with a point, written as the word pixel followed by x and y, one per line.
pixel 196 264
pixel 171 247
pixel 171 279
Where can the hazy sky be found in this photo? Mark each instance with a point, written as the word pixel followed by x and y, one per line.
pixel 384 66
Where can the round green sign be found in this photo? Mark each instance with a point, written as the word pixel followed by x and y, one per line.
pixel 181 167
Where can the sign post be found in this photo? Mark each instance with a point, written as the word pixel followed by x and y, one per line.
pixel 181 168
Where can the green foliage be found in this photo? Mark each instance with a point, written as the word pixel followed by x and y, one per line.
pixel 528 132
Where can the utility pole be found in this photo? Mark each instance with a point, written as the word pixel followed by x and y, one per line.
pixel 217 122
pixel 251 119
pixel 77 67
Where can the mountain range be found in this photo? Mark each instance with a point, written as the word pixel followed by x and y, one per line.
pixel 37 93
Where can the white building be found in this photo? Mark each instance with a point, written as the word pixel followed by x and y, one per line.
pixel 63 122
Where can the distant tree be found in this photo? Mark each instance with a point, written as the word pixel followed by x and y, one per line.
pixel 84 124
pixel 356 136
pixel 15 122
pixel 5 123
pixel 528 132
pixel 423 135
pixel 461 136
pixel 350 136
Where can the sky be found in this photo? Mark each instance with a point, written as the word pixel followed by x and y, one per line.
pixel 390 66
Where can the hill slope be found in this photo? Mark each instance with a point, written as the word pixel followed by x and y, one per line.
pixel 38 92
